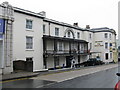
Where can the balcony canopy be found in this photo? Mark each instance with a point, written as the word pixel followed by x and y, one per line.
pixel 63 39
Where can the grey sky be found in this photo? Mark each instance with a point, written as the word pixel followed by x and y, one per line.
pixel 96 13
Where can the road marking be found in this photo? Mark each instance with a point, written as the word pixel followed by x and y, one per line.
pixel 45 85
pixel 61 72
pixel 13 80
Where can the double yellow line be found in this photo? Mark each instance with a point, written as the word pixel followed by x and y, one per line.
pixel 13 80
pixel 41 75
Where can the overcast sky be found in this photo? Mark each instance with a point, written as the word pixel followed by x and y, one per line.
pixel 96 13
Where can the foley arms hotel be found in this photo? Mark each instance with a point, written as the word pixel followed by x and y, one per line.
pixel 28 37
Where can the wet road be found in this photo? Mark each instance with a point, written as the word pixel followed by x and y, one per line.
pixel 102 79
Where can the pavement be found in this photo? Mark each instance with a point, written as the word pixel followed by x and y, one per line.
pixel 46 74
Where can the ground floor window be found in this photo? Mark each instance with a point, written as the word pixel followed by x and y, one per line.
pixel 111 55
pixel 106 56
pixel 29 59
pixel 56 61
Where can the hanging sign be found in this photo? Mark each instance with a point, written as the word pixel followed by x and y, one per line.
pixel 2 26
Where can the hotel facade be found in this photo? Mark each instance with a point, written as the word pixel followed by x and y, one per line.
pixel 48 44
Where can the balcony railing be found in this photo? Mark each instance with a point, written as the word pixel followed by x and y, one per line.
pixel 66 52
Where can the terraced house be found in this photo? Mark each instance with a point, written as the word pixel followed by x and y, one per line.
pixel 32 42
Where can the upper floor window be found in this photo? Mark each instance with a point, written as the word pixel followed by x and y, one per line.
pixel 56 31
pixel 110 44
pixel 60 46
pixel 29 24
pixel 68 34
pixel 90 36
pixel 106 45
pixel 90 45
pixel 106 35
pixel 110 36
pixel 29 42
pixel 78 35
pixel 43 29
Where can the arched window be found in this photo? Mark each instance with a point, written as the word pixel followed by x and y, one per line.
pixel 69 33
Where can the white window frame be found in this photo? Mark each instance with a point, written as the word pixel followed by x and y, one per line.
pixel 106 45
pixel 29 43
pixel 69 34
pixel 78 35
pixel 111 55
pixel 110 35
pixel 60 46
pixel 90 46
pixel 90 35
pixel 44 28
pixel 29 24
pixel 106 35
pixel 56 31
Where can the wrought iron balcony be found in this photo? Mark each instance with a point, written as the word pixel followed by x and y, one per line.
pixel 65 52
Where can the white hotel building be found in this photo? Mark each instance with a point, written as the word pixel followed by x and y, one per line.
pixel 47 44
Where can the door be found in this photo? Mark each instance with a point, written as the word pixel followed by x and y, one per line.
pixel 106 56
pixel 68 61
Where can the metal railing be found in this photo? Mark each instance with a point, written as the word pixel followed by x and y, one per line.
pixel 66 52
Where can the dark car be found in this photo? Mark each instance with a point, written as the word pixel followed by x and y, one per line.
pixel 92 62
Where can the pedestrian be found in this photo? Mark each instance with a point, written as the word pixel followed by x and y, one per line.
pixel 73 63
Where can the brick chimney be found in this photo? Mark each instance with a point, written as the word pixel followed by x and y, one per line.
pixel 87 26
pixel 75 24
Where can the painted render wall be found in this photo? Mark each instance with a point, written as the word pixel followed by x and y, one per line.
pixel 100 37
pixel 19 40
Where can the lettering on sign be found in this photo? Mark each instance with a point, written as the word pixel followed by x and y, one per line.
pixel 98 43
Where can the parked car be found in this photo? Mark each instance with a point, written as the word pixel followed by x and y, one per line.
pixel 117 86
pixel 92 62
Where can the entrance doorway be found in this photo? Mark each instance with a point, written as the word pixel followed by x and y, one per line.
pixel 68 61
pixel 106 56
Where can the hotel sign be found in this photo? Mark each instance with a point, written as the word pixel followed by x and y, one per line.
pixel 98 43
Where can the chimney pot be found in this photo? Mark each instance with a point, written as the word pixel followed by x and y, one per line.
pixel 87 26
pixel 75 24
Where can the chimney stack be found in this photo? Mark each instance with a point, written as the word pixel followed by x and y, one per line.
pixel 75 24
pixel 43 13
pixel 87 26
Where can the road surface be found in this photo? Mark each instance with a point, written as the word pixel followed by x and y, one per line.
pixel 102 79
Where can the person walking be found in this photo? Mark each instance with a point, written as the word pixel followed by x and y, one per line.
pixel 73 63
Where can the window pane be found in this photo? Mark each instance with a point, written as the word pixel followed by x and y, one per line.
pixel 57 31
pixel 44 29
pixel 89 35
pixel 60 46
pixel 106 35
pixel 29 42
pixel 68 34
pixel 29 24
pixel 110 36
pixel 106 45
pixel 78 35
